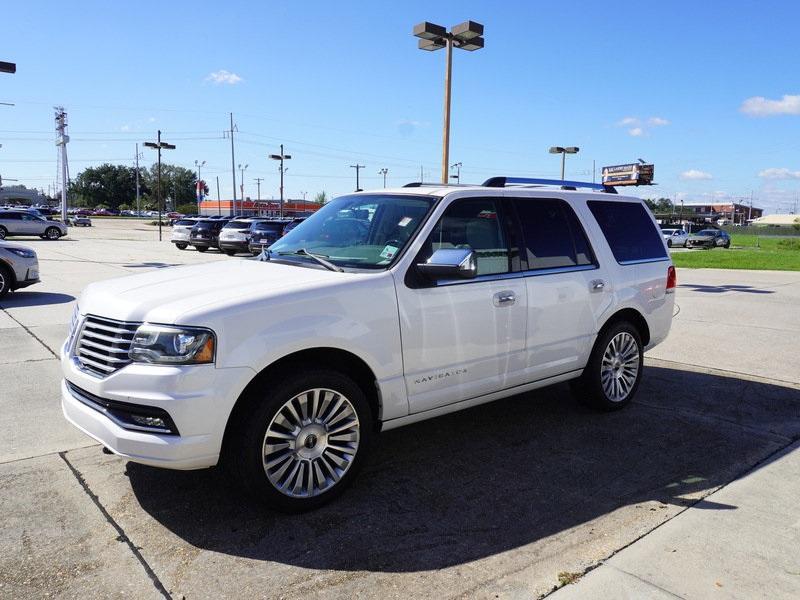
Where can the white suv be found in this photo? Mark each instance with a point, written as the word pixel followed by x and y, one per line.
pixel 380 310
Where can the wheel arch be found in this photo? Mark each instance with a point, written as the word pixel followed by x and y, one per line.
pixel 10 270
pixel 634 317
pixel 336 358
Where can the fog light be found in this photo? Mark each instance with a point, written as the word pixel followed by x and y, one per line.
pixel 148 421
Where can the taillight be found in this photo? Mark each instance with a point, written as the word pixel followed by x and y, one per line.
pixel 672 279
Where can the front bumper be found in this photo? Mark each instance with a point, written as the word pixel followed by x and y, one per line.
pixel 199 400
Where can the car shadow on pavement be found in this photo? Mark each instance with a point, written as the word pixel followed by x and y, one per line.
pixel 26 298
pixel 496 477
pixel 721 289
pixel 150 265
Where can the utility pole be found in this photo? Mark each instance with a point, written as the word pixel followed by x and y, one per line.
pixel 594 174
pixel 219 210
pixel 383 172
pixel 61 141
pixel 138 209
pixel 242 169
pixel 421 174
pixel 233 167
pixel 358 168
pixel 258 193
pixel 158 146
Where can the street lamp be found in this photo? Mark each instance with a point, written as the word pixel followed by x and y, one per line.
pixel 563 151
pixel 467 36
pixel 159 145
pixel 457 167
pixel 281 157
pixel 242 169
pixel 384 171
pixel 199 165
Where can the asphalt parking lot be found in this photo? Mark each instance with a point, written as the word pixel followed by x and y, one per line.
pixel 689 492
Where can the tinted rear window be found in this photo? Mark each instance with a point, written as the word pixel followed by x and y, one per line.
pixel 204 224
pixel 629 230
pixel 185 222
pixel 272 227
pixel 554 237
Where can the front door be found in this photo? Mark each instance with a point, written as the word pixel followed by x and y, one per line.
pixel 465 338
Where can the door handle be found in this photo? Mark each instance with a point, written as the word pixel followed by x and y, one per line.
pixel 597 285
pixel 504 298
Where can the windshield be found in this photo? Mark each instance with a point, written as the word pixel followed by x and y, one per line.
pixel 364 230
pixel 237 225
pixel 707 232
pixel 204 225
pixel 185 222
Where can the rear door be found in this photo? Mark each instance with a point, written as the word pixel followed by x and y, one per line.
pixel 565 289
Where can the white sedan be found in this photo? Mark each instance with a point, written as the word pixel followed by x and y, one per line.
pixel 675 237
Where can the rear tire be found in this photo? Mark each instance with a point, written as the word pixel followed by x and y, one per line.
pixel 298 442
pixel 181 246
pixel 200 248
pixel 230 252
pixel 3 232
pixel 5 280
pixel 614 370
pixel 669 243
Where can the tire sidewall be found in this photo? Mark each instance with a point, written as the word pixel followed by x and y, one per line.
pixel 3 233
pixel 5 284
pixel 47 233
pixel 244 455
pixel 591 380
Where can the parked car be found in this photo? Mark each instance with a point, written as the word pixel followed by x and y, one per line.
pixel 264 233
pixel 709 238
pixel 205 234
pixel 181 230
pixel 675 237
pixel 235 235
pixel 80 221
pixel 19 267
pixel 22 222
pixel 284 369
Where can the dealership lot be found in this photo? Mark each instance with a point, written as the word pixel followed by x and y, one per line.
pixel 500 500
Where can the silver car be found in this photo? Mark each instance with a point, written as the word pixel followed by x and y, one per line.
pixel 19 267
pixel 21 222
pixel 675 237
pixel 180 232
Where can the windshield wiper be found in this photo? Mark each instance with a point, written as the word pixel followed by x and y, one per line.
pixel 325 263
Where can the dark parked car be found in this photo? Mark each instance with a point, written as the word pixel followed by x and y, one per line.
pixel 264 234
pixel 709 238
pixel 205 234
pixel 292 224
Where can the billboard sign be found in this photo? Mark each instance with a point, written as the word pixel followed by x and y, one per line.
pixel 630 174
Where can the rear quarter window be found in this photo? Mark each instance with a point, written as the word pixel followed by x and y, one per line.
pixel 629 230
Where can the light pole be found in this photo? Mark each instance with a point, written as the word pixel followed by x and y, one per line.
pixel 281 157
pixel 563 151
pixel 384 172
pixel 358 168
pixel 457 167
pixel 242 169
pixel 199 165
pixel 159 145
pixel 467 36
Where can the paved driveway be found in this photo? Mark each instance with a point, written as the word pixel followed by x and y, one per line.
pixel 502 500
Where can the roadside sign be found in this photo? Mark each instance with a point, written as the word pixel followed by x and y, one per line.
pixel 630 174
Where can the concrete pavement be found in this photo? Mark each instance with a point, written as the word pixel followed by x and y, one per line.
pixel 492 502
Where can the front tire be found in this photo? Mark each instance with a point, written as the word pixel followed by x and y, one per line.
pixel 614 370
pixel 201 248
pixel 669 243
pixel 52 233
pixel 181 246
pixel 299 442
pixel 3 232
pixel 5 280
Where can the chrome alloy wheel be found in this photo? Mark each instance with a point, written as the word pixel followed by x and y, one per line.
pixel 620 366
pixel 311 443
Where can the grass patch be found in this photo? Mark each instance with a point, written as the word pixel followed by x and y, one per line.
pixel 746 252
pixel 567 577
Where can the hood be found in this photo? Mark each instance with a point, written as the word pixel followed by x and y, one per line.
pixel 4 244
pixel 172 294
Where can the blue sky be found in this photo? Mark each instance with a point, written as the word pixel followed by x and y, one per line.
pixel 706 91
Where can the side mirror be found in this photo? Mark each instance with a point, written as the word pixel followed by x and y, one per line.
pixel 450 263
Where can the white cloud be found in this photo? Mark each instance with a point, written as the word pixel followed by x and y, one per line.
pixel 223 76
pixel 125 127
pixel 636 131
pixel 151 119
pixel 640 127
pixel 696 175
pixel 628 121
pixel 758 106
pixel 782 173
pixel 657 122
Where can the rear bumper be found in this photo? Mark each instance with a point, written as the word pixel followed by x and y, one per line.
pixel 239 246
pixel 203 243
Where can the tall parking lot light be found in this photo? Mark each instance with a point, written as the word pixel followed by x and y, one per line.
pixel 281 157
pixel 159 145
pixel 563 151
pixel 467 36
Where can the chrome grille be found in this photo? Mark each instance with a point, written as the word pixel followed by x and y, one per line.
pixel 103 345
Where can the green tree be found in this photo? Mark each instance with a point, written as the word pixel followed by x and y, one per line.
pixel 321 198
pixel 177 185
pixel 187 209
pixel 659 205
pixel 105 185
pixel 796 224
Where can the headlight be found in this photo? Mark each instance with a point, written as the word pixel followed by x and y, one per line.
pixel 23 252
pixel 163 344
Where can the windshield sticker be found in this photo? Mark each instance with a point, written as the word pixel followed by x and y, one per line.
pixel 388 252
pixel 404 221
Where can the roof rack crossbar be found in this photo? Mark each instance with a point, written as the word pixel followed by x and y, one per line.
pixel 562 183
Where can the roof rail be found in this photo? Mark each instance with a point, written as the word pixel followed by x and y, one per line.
pixel 563 184
pixel 433 184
